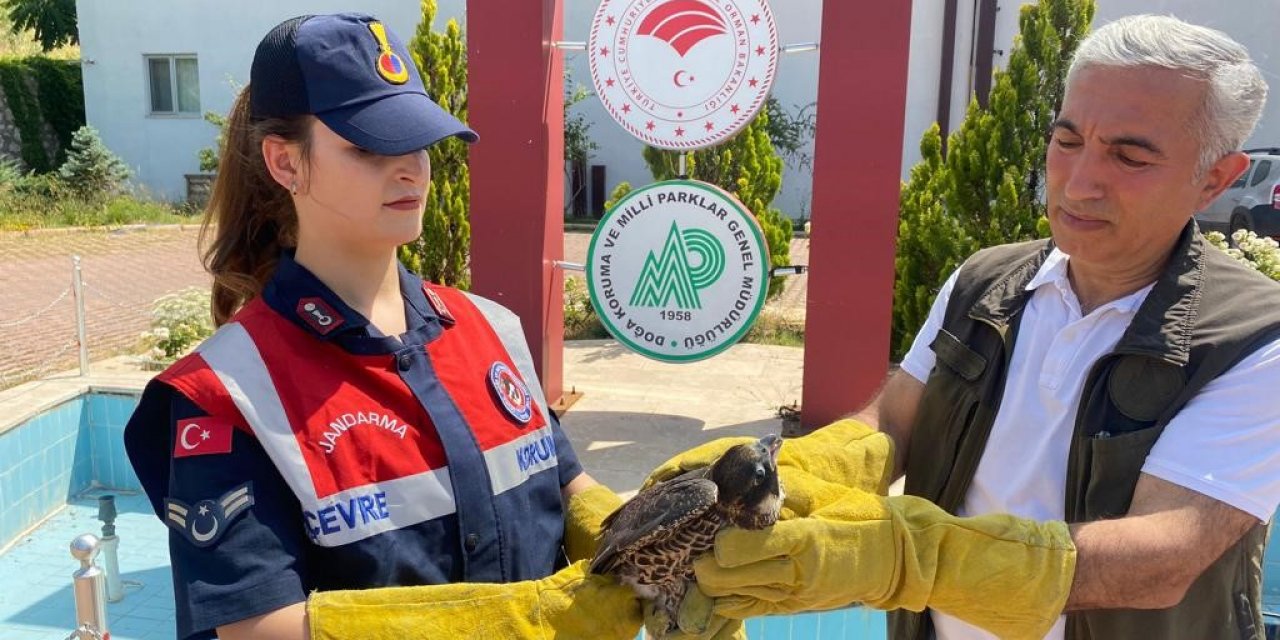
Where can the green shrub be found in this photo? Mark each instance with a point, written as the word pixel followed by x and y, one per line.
pixel 619 192
pixel 91 170
pixel 580 320
pixel 1260 254
pixel 985 187
pixel 208 156
pixel 179 322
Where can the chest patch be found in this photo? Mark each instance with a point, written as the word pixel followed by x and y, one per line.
pixel 511 392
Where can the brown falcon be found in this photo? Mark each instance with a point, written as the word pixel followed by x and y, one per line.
pixel 651 541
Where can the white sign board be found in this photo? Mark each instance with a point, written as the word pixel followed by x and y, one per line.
pixel 683 74
pixel 678 270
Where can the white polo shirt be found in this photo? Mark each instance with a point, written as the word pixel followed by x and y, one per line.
pixel 1225 443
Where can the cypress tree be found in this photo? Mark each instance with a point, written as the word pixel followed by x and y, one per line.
pixel 440 254
pixel 987 190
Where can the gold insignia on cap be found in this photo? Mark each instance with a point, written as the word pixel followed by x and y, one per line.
pixel 390 66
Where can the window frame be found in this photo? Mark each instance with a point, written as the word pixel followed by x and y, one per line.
pixel 1261 172
pixel 173 59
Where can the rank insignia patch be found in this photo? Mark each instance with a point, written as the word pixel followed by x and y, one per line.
pixel 205 521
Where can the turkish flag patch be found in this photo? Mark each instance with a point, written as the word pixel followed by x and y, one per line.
pixel 201 436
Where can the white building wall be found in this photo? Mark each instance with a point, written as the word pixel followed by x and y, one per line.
pixel 115 35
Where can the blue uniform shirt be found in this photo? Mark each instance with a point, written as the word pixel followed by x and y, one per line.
pixel 250 557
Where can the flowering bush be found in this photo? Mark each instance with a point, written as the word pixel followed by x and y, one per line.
pixel 1262 254
pixel 179 321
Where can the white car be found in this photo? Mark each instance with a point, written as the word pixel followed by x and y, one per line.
pixel 1252 202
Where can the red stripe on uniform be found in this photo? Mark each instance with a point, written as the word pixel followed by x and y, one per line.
pixel 462 357
pixel 354 418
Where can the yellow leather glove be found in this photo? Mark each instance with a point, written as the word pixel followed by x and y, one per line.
pixel 697 621
pixel 815 469
pixel 569 605
pixel 582 518
pixel 1007 575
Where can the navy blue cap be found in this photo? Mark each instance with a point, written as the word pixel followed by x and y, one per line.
pixel 356 76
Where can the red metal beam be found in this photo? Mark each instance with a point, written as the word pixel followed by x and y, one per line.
pixel 862 91
pixel 516 101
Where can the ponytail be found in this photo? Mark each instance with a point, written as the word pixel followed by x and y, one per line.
pixel 250 215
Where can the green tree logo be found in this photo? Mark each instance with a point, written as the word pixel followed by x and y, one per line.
pixel 672 275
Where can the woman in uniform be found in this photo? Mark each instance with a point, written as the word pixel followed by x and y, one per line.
pixel 350 428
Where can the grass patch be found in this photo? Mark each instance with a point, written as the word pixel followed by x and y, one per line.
pixel 581 322
pixel 24 211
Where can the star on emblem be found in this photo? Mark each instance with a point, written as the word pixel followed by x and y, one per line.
pixel 204 434
pixel 755 18
pixel 760 50
pixel 650 125
pixel 204 510
pixel 708 126
pixel 679 132
pixel 604 51
pixel 608 82
pixel 735 108
pixel 753 82
pixel 609 20
pixel 626 108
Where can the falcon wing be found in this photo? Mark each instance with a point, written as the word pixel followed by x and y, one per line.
pixel 653 515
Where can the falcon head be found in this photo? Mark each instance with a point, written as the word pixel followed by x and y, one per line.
pixel 746 478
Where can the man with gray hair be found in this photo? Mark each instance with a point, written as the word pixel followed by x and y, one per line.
pixel 1087 425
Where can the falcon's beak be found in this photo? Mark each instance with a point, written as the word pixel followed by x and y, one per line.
pixel 772 443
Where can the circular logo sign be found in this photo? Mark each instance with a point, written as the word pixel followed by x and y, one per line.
pixel 683 74
pixel 678 270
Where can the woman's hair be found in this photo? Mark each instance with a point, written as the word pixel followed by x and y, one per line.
pixel 250 215
pixel 1236 89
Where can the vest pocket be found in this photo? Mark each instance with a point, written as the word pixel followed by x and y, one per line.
pixel 1115 465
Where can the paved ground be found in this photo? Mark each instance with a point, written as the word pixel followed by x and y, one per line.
pixel 124 272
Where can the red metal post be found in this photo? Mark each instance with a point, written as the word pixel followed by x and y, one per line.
pixel 862 91
pixel 516 103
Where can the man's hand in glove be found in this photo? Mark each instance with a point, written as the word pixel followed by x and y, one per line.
pixel 1007 575
pixel 815 469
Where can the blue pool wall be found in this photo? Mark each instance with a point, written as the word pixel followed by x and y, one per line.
pixel 73 447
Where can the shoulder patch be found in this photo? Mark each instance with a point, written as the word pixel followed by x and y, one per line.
pixel 203 523
pixel 201 436
pixel 437 303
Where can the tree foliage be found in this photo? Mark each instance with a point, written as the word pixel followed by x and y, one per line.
pixel 749 167
pixel 986 189
pixel 52 21
pixel 441 253
pixel 91 170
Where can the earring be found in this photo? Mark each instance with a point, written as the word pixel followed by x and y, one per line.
pixel 293 187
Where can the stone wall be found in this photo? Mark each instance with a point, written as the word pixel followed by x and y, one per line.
pixel 11 137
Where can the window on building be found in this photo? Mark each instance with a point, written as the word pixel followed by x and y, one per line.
pixel 175 85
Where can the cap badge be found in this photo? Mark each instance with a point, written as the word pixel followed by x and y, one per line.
pixel 390 66
pixel 512 392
